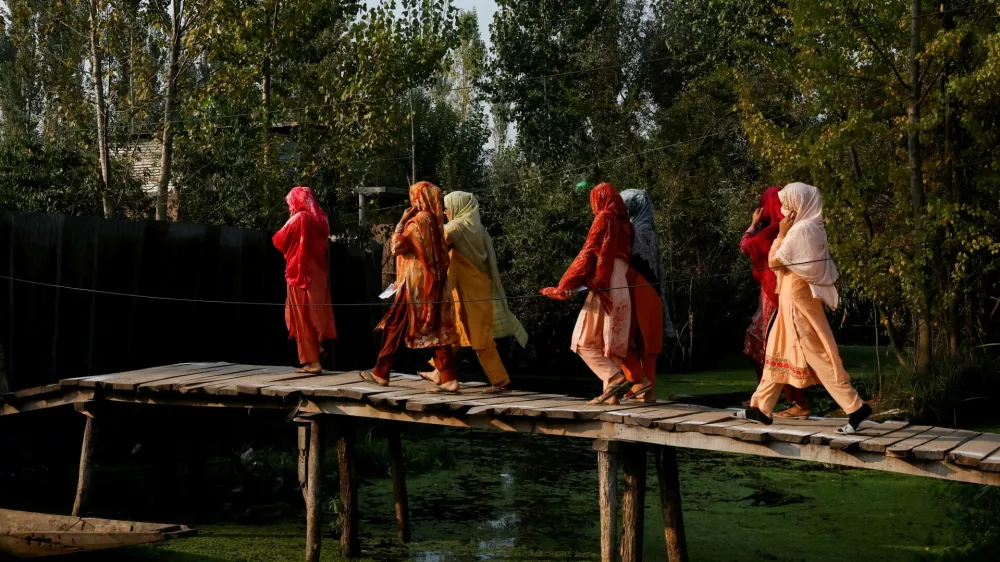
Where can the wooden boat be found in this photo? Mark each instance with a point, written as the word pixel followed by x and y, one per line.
pixel 33 535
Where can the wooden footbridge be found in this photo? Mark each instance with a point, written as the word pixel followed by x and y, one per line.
pixel 622 434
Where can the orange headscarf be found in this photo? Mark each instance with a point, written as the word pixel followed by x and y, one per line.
pixel 425 231
pixel 610 238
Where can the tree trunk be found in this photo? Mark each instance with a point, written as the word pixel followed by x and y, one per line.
pixel 890 330
pixel 169 111
pixel 922 314
pixel 100 105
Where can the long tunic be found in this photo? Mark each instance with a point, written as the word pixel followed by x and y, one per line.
pixel 603 330
pixel 425 328
pixel 647 314
pixel 308 313
pixel 470 288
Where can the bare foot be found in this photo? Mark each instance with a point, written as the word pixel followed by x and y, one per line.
pixel 433 377
pixel 311 369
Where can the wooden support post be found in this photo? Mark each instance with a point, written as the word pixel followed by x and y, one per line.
pixel 633 501
pixel 314 512
pixel 303 431
pixel 668 475
pixel 349 543
pixel 86 462
pixel 607 476
pixel 399 483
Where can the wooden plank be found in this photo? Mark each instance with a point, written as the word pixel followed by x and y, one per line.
pixel 697 418
pixel 619 414
pixel 830 435
pixel 310 386
pixel 36 391
pixel 902 448
pixel 880 444
pixel 480 400
pixel 486 409
pixel 721 427
pixel 132 383
pixel 536 408
pixel 749 432
pixel 91 381
pixel 695 421
pixel 937 450
pixel 972 452
pixel 234 372
pixel 171 382
pixel 584 411
pixel 396 397
pixel 846 442
pixel 95 381
pixel 790 433
pixel 991 463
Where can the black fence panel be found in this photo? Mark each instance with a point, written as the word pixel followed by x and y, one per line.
pixel 83 296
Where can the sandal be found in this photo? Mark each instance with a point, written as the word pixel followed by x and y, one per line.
pixel 643 388
pixel 305 371
pixel 794 412
pixel 368 376
pixel 613 389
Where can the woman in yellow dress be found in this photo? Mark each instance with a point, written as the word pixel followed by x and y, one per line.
pixel 801 350
pixel 481 309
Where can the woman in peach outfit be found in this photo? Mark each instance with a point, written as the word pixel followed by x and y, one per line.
pixel 801 350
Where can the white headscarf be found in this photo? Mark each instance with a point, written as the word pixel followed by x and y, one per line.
pixel 805 250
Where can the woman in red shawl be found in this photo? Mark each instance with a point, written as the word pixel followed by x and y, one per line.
pixel 308 313
pixel 601 337
pixel 756 243
pixel 423 314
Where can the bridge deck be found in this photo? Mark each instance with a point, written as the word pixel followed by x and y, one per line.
pixel 936 452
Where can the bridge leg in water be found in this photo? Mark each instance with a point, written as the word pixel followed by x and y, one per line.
pixel 633 500
pixel 303 431
pixel 350 545
pixel 670 503
pixel 399 482
pixel 607 478
pixel 313 477
pixel 86 461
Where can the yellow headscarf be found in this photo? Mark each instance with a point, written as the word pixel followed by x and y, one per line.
pixel 466 233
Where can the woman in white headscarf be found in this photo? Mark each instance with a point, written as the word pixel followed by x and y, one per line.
pixel 481 306
pixel 801 350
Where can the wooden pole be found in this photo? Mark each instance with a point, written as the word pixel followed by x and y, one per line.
pixel 349 543
pixel 633 501
pixel 399 483
pixel 607 477
pixel 86 460
pixel 303 431
pixel 314 514
pixel 670 503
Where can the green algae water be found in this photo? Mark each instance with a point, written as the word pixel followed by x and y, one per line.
pixel 511 497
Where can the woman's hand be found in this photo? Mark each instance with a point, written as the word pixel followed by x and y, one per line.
pixel 786 223
pixel 756 217
pixel 555 293
pixel 408 214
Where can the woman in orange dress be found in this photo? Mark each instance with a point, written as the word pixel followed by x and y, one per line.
pixel 422 316
pixel 650 319
pixel 756 243
pixel 601 336
pixel 303 241
pixel 801 350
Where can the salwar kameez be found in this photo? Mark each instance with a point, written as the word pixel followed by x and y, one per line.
pixel 394 329
pixel 309 316
pixel 474 317
pixel 801 350
pixel 601 336
pixel 647 329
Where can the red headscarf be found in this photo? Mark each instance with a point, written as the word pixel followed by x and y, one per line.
pixel 303 240
pixel 759 244
pixel 610 237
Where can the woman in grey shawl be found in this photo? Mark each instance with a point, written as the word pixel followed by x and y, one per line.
pixel 650 319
